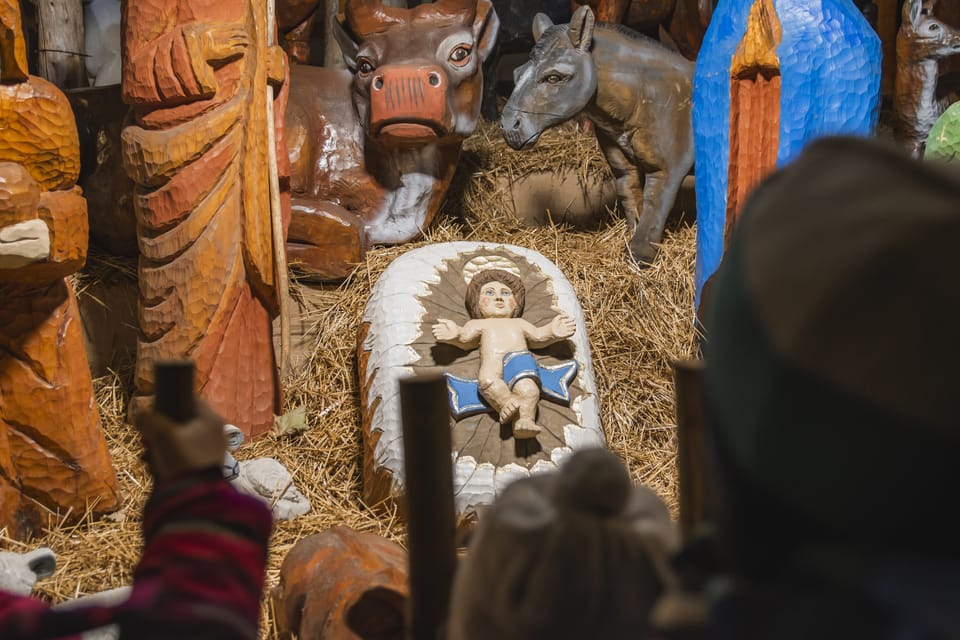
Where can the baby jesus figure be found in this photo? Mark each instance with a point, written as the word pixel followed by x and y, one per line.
pixel 509 379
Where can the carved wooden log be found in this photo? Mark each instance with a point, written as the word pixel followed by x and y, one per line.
pixel 61 43
pixel 395 340
pixel 342 585
pixel 52 448
pixel 196 75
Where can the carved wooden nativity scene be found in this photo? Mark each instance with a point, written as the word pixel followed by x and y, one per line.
pixel 310 206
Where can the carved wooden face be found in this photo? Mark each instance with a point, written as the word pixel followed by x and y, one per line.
pixel 557 82
pixel 417 78
pixel 497 300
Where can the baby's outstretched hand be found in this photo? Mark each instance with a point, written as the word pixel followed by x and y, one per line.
pixel 445 330
pixel 563 326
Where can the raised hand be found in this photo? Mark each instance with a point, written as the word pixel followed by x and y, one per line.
pixel 446 330
pixel 223 42
pixel 563 326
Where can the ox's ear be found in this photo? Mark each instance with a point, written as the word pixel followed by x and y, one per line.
pixel 581 28
pixel 347 45
pixel 486 28
pixel 541 22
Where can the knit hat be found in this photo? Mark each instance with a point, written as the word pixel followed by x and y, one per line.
pixel 831 377
pixel 579 553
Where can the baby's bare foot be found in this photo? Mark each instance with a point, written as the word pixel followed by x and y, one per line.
pixel 509 410
pixel 525 428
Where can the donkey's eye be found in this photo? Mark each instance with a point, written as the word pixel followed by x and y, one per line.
pixel 934 27
pixel 365 66
pixel 460 55
pixel 554 78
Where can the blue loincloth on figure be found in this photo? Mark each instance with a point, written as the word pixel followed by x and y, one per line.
pixel 553 380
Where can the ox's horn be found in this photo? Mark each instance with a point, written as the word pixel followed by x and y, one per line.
pixel 364 17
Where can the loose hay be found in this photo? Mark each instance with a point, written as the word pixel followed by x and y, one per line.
pixel 638 321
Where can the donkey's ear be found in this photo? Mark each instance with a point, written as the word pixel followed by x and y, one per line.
pixel 911 11
pixel 581 28
pixel 541 22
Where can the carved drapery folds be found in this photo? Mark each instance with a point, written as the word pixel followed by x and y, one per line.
pixel 196 73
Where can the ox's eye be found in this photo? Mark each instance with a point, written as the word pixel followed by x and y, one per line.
pixel 554 78
pixel 460 55
pixel 365 66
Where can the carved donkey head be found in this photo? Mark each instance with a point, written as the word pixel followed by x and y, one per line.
pixel 923 36
pixel 417 73
pixel 556 84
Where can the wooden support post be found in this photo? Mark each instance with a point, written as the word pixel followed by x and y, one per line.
pixel 425 413
pixel 60 42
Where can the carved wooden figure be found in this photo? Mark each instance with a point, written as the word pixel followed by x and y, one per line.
pixel 373 149
pixel 771 76
pixel 196 75
pixel 342 585
pixel 642 118
pixel 423 288
pixel 52 449
pixel 922 41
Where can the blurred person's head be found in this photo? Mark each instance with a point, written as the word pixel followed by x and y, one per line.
pixel 579 553
pixel 830 380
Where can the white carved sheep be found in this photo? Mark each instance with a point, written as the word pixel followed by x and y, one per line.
pixel 264 478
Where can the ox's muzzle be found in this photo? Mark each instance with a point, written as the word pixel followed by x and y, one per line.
pixel 408 103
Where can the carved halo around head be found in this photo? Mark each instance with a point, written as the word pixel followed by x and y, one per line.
pixel 483 263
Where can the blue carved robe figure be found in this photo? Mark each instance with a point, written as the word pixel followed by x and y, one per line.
pixel 829 66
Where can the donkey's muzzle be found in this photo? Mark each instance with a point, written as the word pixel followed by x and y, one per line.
pixel 409 103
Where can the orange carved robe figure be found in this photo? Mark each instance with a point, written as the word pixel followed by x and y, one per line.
pixel 196 73
pixel 53 454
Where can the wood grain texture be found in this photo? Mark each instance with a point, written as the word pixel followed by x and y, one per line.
pixel 196 74
pixel 396 340
pixel 342 585
pixel 53 454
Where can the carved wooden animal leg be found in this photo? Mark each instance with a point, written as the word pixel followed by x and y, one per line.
pixel 325 241
pixel 630 191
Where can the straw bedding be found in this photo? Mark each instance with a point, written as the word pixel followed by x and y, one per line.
pixel 638 320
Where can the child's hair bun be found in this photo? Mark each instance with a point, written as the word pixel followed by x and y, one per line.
pixel 593 481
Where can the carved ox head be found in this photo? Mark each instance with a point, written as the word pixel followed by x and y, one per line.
pixel 417 72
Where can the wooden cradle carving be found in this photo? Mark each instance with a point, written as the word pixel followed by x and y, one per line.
pixel 396 341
